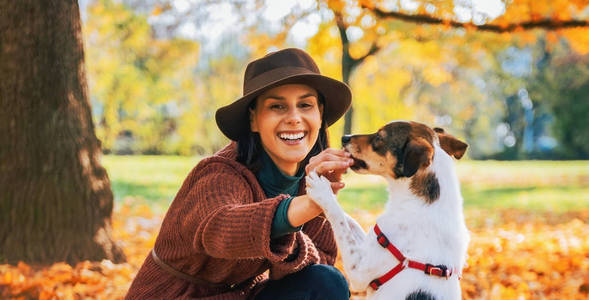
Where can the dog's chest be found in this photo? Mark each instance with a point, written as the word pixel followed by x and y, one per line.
pixel 423 235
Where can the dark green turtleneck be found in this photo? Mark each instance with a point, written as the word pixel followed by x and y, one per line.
pixel 275 182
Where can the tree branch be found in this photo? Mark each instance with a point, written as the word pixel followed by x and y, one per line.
pixel 373 49
pixel 342 27
pixel 548 24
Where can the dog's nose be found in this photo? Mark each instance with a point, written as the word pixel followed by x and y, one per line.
pixel 346 139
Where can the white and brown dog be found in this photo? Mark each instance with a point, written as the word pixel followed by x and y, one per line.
pixel 418 247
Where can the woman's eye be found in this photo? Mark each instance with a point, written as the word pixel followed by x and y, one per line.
pixel 277 107
pixel 305 105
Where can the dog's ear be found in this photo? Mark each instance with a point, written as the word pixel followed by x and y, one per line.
pixel 418 154
pixel 452 145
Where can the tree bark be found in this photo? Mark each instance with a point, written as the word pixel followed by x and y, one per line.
pixel 347 68
pixel 55 197
pixel 349 64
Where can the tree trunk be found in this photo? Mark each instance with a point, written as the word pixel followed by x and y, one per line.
pixel 55 197
pixel 349 64
pixel 347 68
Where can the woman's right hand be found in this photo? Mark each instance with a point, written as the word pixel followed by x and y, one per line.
pixel 331 163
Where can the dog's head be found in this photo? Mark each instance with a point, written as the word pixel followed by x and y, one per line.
pixel 399 149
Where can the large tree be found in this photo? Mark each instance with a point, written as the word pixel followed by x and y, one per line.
pixel 55 197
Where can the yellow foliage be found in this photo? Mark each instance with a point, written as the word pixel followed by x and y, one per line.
pixel 436 75
pixel 132 75
pixel 336 5
pixel 578 39
pixel 325 50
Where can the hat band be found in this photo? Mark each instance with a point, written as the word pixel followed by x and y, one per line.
pixel 272 76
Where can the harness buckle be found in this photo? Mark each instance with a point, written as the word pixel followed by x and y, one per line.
pixel 439 270
pixel 375 284
pixel 382 240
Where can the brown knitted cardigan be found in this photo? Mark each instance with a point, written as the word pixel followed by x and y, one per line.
pixel 218 229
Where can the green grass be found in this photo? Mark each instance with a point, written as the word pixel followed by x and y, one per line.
pixel 555 186
pixel 155 179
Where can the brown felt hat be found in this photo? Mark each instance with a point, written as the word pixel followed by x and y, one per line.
pixel 277 68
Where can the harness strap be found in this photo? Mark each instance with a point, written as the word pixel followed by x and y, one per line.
pixel 428 269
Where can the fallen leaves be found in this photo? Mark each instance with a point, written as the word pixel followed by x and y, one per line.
pixel 62 281
pixel 135 228
pixel 528 260
pixel 514 255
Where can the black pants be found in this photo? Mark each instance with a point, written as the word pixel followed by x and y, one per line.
pixel 311 283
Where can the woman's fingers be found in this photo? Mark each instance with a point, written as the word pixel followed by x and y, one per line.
pixel 337 152
pixel 330 154
pixel 317 160
pixel 328 161
pixel 327 167
pixel 336 186
pixel 331 163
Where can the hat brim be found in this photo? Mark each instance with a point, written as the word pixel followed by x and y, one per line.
pixel 233 119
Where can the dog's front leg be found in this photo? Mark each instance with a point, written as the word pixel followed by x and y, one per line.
pixel 350 237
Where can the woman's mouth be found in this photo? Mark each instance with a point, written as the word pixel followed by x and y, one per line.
pixel 292 138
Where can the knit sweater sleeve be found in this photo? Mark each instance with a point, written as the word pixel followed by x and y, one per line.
pixel 320 232
pixel 231 225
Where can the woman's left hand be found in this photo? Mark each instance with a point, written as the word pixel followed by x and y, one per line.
pixel 331 163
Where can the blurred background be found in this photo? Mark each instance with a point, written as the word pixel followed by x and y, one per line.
pixel 509 77
pixel 159 69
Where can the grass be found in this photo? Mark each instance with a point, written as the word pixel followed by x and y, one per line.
pixel 554 186
pixel 155 179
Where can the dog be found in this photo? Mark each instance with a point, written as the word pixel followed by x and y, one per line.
pixel 418 247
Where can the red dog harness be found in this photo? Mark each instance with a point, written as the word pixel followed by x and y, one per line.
pixel 439 270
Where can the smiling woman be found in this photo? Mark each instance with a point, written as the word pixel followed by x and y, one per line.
pixel 244 211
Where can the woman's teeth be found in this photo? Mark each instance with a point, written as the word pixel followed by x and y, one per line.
pixel 291 136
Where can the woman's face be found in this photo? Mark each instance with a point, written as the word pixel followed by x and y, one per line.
pixel 288 119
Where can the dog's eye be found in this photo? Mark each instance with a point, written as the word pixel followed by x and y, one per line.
pixel 377 141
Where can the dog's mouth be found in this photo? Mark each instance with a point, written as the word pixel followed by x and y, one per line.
pixel 358 164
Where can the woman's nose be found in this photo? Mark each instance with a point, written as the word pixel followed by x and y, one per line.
pixel 293 117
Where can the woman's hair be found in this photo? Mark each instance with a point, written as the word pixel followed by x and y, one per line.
pixel 249 145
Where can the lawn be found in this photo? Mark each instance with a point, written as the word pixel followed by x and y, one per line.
pixel 151 179
pixel 537 186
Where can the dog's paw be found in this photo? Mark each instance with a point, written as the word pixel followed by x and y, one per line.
pixel 319 189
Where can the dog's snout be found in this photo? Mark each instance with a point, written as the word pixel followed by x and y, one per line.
pixel 346 139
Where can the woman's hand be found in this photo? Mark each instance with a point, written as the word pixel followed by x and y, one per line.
pixel 331 163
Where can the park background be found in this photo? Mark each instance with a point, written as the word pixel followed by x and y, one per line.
pixel 511 78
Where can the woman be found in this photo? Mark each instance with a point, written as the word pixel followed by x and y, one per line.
pixel 241 216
